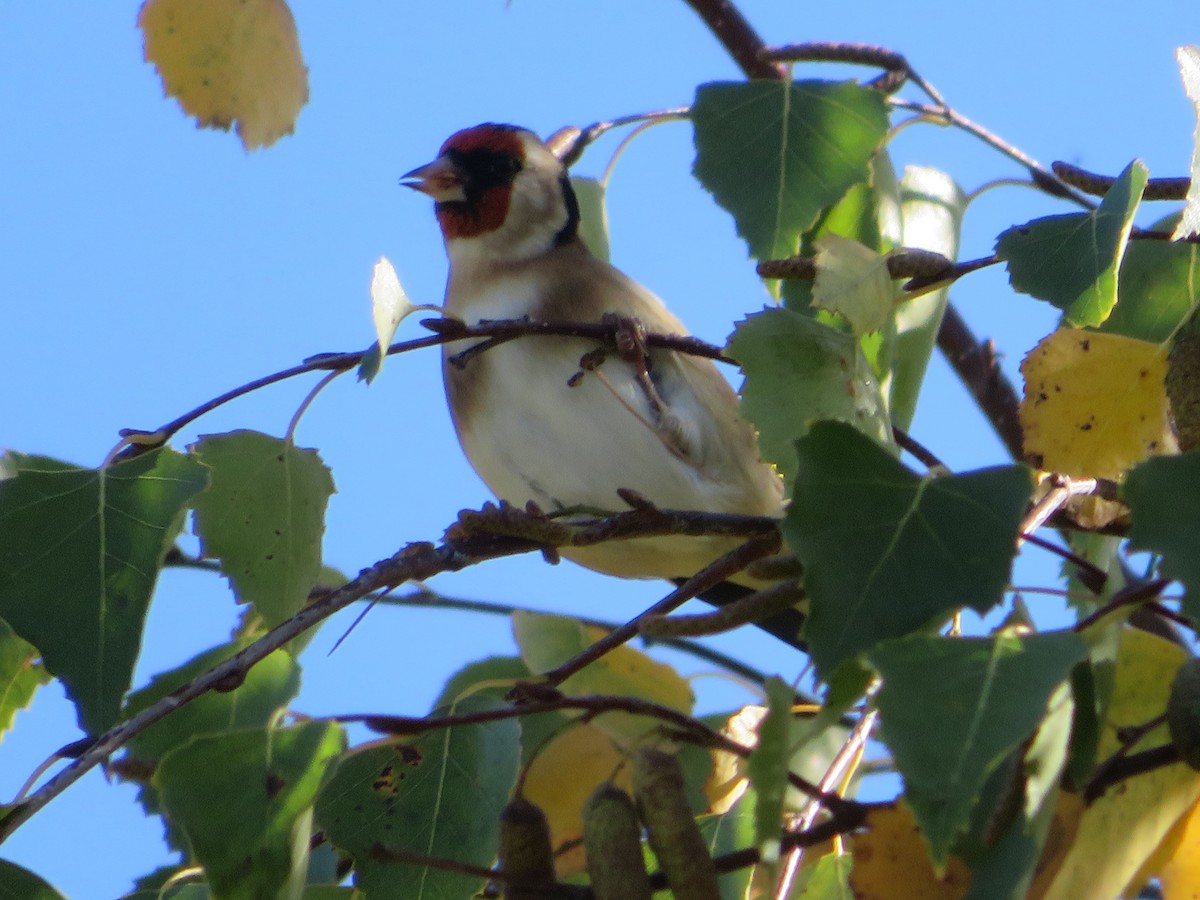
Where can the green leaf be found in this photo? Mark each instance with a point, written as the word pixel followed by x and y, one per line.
pixel 263 518
pixel 776 153
pixel 853 281
pixel 886 552
pixel 268 687
pixel 494 677
pixel 593 215
pixel 989 693
pixel 1071 261
pixel 932 205
pixel 244 799
pixel 1189 71
pixel 440 794
pixel 868 213
pixel 1163 494
pixel 767 766
pixel 729 831
pixel 799 370
pixel 18 883
pixel 1160 287
pixel 20 675
pixel 80 551
pixel 826 879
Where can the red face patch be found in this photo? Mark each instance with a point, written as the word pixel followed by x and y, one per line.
pixel 487 205
pixel 486 214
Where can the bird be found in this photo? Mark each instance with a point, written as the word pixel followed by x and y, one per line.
pixel 531 427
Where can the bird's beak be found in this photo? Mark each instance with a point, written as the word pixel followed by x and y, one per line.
pixel 440 179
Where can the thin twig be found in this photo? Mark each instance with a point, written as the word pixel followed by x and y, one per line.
pixel 1042 177
pixel 924 268
pixel 683 727
pixel 712 574
pixel 136 441
pixel 1099 185
pixel 749 609
pixel 1133 595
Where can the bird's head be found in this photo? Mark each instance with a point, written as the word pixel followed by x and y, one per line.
pixel 500 194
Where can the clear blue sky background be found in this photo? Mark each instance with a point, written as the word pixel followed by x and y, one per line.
pixel 146 266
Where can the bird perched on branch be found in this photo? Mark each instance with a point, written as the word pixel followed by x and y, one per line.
pixel 664 424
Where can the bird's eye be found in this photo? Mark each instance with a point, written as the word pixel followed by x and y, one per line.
pixel 487 168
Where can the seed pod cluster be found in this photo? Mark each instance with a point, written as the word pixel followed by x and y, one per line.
pixel 672 830
pixel 612 839
pixel 1183 385
pixel 1183 712
pixel 526 855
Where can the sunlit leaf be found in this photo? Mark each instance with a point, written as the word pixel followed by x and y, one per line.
pixel 263 518
pixel 389 306
pixel 593 214
pixel 776 153
pixel 887 552
pixel 20 675
pixel 1189 71
pixel 1095 404
pixel 80 551
pixel 229 61
pixel 853 281
pixel 1160 287
pixel 1072 260
pixel 932 205
pixel 798 371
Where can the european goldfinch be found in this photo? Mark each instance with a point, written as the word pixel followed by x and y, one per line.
pixel 510 221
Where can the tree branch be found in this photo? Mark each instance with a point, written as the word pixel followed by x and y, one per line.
pixel 738 37
pixel 462 547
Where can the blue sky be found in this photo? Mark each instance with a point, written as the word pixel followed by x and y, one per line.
pixel 147 266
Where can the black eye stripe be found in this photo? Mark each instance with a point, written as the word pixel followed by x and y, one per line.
pixel 485 168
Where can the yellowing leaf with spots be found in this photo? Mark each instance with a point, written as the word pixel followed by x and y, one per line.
pixel 561 778
pixel 1138 814
pixel 891 861
pixel 1094 403
pixel 229 61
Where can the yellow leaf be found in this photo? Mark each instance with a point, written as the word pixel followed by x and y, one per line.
pixel 727 781
pixel 229 61
pixel 548 641
pixel 891 861
pixel 1094 404
pixel 1122 830
pixel 1179 874
pixel 561 778
pixel 1060 836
